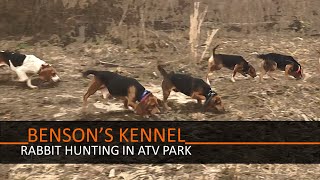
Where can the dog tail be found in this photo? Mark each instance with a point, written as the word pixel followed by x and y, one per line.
pixel 214 49
pixel 262 56
pixel 162 71
pixel 87 73
pixel 12 67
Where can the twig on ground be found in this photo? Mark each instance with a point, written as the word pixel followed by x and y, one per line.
pixel 117 65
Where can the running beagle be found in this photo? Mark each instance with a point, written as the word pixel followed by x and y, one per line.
pixel 233 62
pixel 24 64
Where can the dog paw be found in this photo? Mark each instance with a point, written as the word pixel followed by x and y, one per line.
pixel 233 80
pixel 167 108
pixel 21 80
pixel 34 87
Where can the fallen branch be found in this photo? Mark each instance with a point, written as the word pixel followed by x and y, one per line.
pixel 168 41
pixel 107 64
pixel 124 14
pixel 319 59
pixel 208 42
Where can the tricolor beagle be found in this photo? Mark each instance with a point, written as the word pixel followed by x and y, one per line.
pixel 233 62
pixel 273 61
pixel 24 64
pixel 124 87
pixel 194 87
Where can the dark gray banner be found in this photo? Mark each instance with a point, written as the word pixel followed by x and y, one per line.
pixel 159 142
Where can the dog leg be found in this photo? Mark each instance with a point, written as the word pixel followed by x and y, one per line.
pixel 132 104
pixel 30 84
pixel 21 75
pixel 166 86
pixel 233 75
pixel 131 98
pixel 263 72
pixel 235 70
pixel 270 75
pixel 199 101
pixel 105 93
pixel 198 97
pixel 95 85
pixel 166 94
pixel 288 68
pixel 125 103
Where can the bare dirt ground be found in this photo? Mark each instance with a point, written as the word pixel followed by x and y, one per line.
pixel 246 99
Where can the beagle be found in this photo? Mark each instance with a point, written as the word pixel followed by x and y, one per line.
pixel 194 87
pixel 233 62
pixel 23 64
pixel 273 61
pixel 126 88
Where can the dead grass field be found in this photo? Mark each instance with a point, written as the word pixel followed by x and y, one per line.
pixel 246 99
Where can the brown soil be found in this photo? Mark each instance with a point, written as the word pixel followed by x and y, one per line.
pixel 246 99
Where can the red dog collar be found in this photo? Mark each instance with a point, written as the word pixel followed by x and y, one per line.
pixel 144 96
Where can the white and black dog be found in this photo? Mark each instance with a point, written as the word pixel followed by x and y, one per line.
pixel 24 64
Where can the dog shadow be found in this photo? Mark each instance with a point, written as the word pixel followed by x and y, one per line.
pixel 7 80
pixel 118 115
pixel 191 107
pixel 188 107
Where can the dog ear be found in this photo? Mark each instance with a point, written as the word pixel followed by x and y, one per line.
pixel 45 65
pixel 141 109
pixel 160 102
pixel 207 101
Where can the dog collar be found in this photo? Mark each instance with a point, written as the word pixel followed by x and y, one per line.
pixel 144 95
pixel 209 96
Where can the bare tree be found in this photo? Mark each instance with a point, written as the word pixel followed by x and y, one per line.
pixel 142 22
pixel 196 19
pixel 125 10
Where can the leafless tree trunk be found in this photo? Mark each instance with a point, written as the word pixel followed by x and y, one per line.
pixel 142 23
pixel 125 10
pixel 196 20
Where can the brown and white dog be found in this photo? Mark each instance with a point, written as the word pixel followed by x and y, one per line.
pixel 233 62
pixel 123 87
pixel 24 64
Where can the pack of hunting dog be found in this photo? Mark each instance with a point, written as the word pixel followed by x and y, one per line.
pixel 169 60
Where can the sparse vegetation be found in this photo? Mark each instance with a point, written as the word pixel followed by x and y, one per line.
pixel 130 37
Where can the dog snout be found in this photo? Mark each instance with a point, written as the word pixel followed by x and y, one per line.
pixel 155 110
pixel 221 108
pixel 55 78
